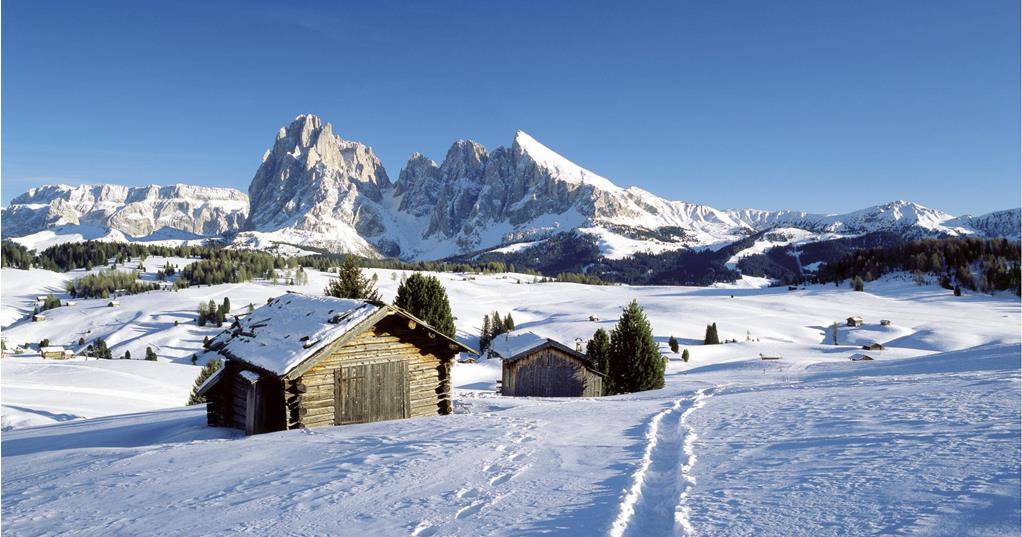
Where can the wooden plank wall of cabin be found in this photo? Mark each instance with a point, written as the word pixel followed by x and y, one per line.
pixel 548 373
pixel 386 342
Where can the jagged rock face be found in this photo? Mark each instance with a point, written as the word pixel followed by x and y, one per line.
pixel 135 211
pixel 317 187
pixel 314 188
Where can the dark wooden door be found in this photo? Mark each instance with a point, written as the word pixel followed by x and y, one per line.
pixel 371 392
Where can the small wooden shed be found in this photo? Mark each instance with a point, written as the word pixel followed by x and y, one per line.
pixel 56 352
pixel 885 322
pixel 873 347
pixel 541 367
pixel 311 361
pixel 38 318
pixel 859 357
pixel 854 321
pixel 113 304
pixel 769 356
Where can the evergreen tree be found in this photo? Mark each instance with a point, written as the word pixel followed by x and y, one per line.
pixel 44 343
pixel 598 350
pixel 195 359
pixel 81 341
pixel 150 354
pixel 684 356
pixel 127 355
pixel 958 290
pixel 203 314
pixel 485 336
pixel 426 298
pixel 509 323
pixel 211 367
pixel 205 342
pixel 711 337
pixel 673 344
pixel 226 306
pixel 634 361
pixel 858 284
pixel 351 283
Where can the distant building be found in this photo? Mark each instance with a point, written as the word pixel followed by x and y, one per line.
pixel 38 318
pixel 302 361
pixel 873 347
pixel 56 352
pixel 594 318
pixel 113 304
pixel 769 356
pixel 885 322
pixel 854 321
pixel 534 366
pixel 859 357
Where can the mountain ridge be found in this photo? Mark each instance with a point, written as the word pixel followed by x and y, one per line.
pixel 315 189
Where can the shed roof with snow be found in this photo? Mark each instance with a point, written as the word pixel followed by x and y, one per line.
pixel 859 357
pixel 279 337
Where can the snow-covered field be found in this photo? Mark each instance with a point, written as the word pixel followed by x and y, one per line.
pixel 924 440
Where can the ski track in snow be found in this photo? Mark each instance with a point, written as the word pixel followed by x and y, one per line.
pixel 655 504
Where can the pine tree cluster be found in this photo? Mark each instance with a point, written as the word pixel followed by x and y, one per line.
pixel 979 264
pixel 210 312
pixel 711 337
pixel 493 326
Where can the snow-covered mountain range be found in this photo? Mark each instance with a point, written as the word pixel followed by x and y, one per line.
pixel 318 190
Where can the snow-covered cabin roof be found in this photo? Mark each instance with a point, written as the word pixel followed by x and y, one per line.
pixel 858 357
pixel 52 348
pixel 511 347
pixel 281 335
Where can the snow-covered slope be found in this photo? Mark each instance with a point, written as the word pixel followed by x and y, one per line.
pixel 810 445
pixel 316 189
pixel 134 211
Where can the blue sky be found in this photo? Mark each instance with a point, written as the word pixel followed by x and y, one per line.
pixel 815 105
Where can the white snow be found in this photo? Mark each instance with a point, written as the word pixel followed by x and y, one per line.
pixel 924 440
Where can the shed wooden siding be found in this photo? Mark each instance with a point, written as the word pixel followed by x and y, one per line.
pixel 550 372
pixel 401 372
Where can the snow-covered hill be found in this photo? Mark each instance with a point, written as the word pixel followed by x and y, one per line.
pixel 316 189
pixel 810 445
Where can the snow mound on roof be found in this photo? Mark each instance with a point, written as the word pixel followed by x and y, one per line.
pixel 510 344
pixel 280 335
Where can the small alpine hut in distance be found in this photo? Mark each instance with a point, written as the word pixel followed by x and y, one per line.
pixel 854 321
pixel 304 361
pixel 540 367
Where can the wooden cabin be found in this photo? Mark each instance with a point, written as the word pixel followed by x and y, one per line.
pixel 769 356
pixel 303 361
pixel 56 352
pixel 854 321
pixel 873 347
pixel 113 304
pixel 38 318
pixel 885 322
pixel 539 367
pixel 859 357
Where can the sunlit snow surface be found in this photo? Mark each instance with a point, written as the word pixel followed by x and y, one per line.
pixel 924 440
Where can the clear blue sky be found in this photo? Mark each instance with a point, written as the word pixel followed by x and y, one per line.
pixel 816 105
